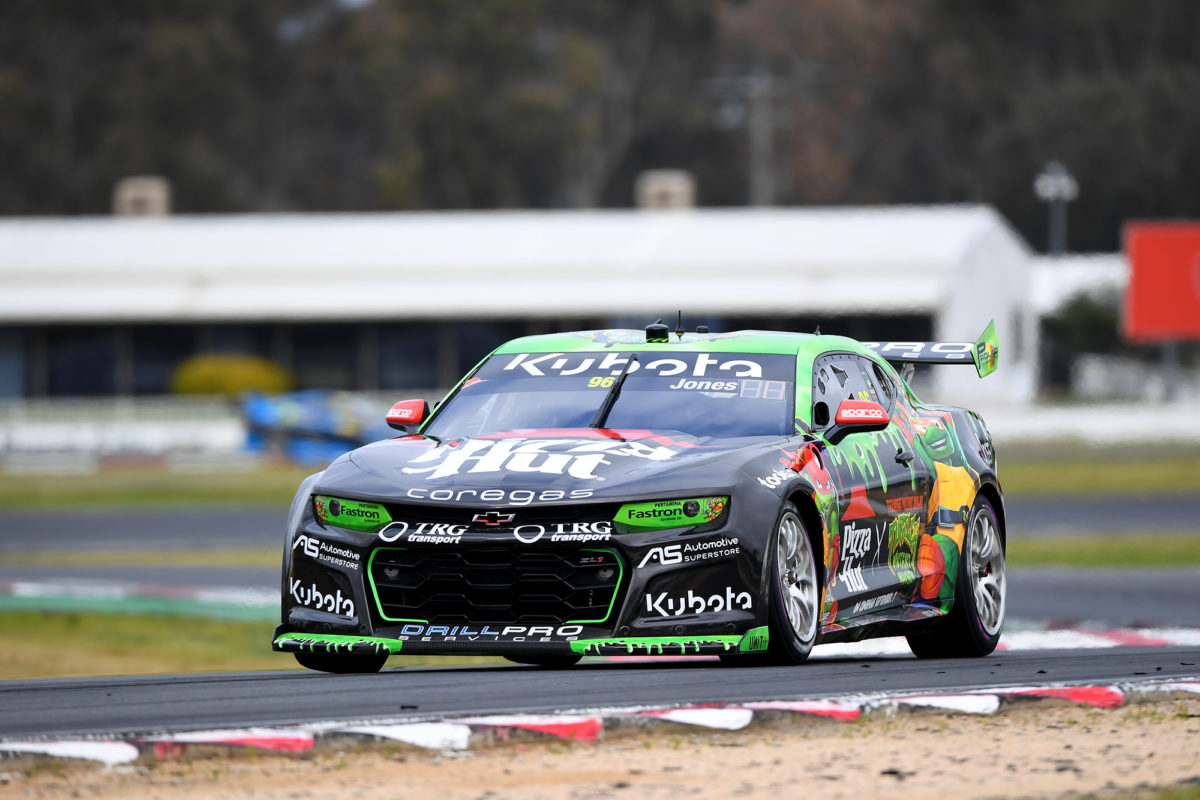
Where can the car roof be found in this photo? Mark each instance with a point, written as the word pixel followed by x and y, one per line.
pixel 749 341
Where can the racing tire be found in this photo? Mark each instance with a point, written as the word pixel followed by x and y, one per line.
pixel 549 662
pixel 341 664
pixel 794 594
pixel 976 620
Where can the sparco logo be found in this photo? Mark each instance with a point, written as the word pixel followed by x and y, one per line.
pixel 562 364
pixel 571 457
pixel 663 605
pixel 861 413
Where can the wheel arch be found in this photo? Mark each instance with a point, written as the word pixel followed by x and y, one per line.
pixel 992 494
pixel 814 526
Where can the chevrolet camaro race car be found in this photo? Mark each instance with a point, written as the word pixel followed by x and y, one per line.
pixel 747 494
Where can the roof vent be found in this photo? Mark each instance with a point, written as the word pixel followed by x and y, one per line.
pixel 658 332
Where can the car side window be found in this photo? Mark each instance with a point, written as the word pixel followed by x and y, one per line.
pixel 885 390
pixel 838 377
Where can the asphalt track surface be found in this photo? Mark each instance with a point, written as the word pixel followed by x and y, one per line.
pixel 144 705
pixel 256 528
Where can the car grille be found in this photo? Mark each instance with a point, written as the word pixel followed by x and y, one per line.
pixel 495 584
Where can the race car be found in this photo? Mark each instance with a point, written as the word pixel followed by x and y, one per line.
pixel 747 495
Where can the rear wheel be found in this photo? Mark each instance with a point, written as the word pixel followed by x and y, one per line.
pixel 794 594
pixel 975 622
pixel 341 664
pixel 549 662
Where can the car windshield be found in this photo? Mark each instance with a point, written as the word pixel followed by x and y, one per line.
pixel 715 395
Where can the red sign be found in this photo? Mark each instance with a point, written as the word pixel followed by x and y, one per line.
pixel 1162 302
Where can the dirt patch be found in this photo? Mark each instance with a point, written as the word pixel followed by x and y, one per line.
pixel 1030 751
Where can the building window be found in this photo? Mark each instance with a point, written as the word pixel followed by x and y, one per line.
pixel 158 350
pixel 81 361
pixel 325 356
pixel 408 356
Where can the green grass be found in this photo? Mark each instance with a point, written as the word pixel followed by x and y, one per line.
pixel 44 645
pixel 1132 550
pixel 1103 473
pixel 145 558
pixel 148 487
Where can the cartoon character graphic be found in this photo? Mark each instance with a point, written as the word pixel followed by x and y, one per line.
pixel 904 534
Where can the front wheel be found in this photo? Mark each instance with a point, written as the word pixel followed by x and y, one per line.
pixel 794 593
pixel 974 624
pixel 341 664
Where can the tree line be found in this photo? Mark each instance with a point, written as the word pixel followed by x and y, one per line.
pixel 361 105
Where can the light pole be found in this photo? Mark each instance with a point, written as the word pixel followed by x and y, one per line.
pixel 1056 186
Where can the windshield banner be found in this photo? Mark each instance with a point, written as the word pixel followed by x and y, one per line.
pixel 682 366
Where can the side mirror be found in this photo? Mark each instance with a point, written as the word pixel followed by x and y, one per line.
pixel 406 413
pixel 857 416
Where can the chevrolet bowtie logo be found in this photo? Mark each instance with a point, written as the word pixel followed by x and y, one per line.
pixel 493 518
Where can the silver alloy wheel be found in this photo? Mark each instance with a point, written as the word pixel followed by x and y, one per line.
pixel 987 571
pixel 797 574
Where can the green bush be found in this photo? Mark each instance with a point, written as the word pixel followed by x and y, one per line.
pixel 229 375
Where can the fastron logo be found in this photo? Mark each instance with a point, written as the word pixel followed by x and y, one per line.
pixel 563 364
pixel 578 459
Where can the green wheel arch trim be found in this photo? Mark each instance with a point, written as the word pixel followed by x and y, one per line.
pixel 334 643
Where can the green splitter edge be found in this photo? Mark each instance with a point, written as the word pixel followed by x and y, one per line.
pixel 752 641
pixel 334 643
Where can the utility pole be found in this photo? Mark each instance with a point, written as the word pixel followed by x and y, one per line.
pixel 1056 186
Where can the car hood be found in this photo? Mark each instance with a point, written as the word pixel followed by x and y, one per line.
pixel 606 463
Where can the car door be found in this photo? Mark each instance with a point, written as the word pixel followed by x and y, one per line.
pixel 904 496
pixel 882 490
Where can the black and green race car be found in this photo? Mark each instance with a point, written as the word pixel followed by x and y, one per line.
pixel 747 494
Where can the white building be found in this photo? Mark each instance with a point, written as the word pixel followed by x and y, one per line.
pixel 406 300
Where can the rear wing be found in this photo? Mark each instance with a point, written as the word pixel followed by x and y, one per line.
pixel 984 352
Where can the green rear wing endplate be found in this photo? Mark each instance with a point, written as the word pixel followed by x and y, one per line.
pixel 984 352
